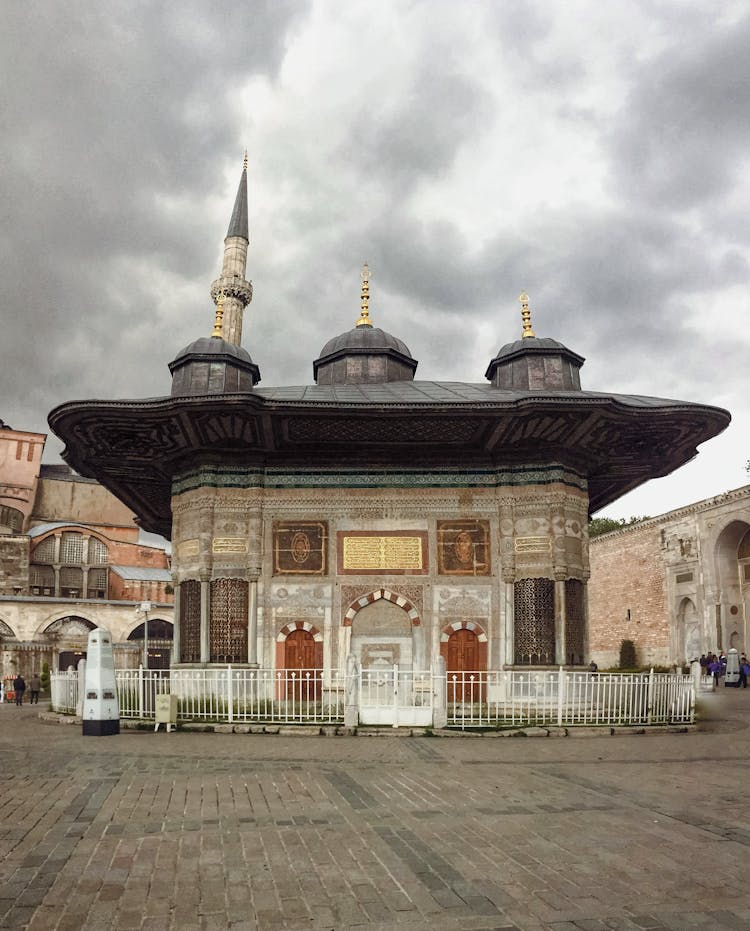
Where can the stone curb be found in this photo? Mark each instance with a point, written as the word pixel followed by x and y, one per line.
pixel 339 730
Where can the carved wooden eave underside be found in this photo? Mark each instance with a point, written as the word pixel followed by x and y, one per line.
pixel 616 442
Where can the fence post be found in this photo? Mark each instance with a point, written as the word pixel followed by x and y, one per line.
pixel 395 694
pixel 141 696
pixel 351 692
pixel 560 695
pixel 650 696
pixel 230 697
pixel 440 690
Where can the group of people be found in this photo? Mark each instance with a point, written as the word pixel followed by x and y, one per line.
pixel 716 666
pixel 19 689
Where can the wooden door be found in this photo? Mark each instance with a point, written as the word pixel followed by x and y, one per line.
pixel 464 664
pixel 303 661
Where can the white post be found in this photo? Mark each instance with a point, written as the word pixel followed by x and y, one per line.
pixel 395 694
pixel 560 695
pixel 440 691
pixel 650 697
pixel 141 696
pixel 230 698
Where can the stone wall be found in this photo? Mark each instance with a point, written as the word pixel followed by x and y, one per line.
pixel 627 596
pixel 14 564
pixel 683 576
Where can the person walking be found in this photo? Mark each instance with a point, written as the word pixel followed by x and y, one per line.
pixel 35 685
pixel 19 687
pixel 744 672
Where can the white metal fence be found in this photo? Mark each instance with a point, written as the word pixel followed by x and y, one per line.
pixel 560 698
pixel 500 698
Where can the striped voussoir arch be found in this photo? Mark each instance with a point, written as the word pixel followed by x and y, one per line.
pixel 463 625
pixel 298 625
pixel 376 595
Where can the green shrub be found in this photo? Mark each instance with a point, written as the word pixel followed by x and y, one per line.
pixel 45 677
pixel 627 655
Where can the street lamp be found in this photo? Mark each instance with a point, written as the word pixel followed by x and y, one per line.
pixel 143 608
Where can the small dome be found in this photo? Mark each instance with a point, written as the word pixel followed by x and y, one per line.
pixel 364 355
pixel 364 339
pixel 535 363
pixel 211 365
pixel 212 346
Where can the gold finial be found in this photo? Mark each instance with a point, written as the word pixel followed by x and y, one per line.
pixel 525 315
pixel 244 161
pixel 364 317
pixel 218 323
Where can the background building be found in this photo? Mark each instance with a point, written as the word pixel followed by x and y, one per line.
pixel 677 585
pixel 71 559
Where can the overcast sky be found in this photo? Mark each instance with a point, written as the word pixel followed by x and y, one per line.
pixel 594 154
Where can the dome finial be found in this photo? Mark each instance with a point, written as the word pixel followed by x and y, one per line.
pixel 218 323
pixel 364 317
pixel 525 315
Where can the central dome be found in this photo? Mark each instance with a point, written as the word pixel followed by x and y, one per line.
pixel 364 355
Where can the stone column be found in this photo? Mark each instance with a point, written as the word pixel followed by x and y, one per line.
pixel 205 580
pixel 252 621
pixel 510 613
pixel 560 618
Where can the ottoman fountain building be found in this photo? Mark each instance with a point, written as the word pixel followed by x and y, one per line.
pixel 370 513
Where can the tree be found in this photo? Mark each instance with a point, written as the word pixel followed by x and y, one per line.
pixel 600 525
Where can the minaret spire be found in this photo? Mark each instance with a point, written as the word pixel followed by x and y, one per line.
pixel 236 290
pixel 364 317
pixel 525 316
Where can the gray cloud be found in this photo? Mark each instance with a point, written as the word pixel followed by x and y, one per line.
pixel 119 122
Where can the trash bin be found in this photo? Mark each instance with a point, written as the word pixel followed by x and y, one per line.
pixel 166 711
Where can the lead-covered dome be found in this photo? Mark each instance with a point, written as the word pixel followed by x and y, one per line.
pixel 365 354
pixel 211 365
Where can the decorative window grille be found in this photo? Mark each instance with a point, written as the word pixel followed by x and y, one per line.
pixel 574 621
pixel 190 621
pixel 228 636
pixel 42 580
pixel 97 553
pixel 97 583
pixel 45 551
pixel 71 582
pixel 71 548
pixel 10 517
pixel 534 601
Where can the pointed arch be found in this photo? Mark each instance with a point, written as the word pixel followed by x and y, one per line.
pixel 376 595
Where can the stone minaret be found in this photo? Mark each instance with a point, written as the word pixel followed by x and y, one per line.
pixel 237 291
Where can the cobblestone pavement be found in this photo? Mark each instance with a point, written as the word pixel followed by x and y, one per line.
pixel 212 831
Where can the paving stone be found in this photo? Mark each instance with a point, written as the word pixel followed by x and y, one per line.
pixel 204 831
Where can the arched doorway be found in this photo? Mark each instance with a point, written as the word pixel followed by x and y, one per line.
pixel 160 638
pixel 463 646
pixel 300 661
pixel 688 633
pixel 732 556
pixel 71 636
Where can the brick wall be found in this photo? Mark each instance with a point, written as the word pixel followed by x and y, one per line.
pixel 628 574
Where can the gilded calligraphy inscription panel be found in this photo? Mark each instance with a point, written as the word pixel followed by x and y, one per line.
pixel 397 552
